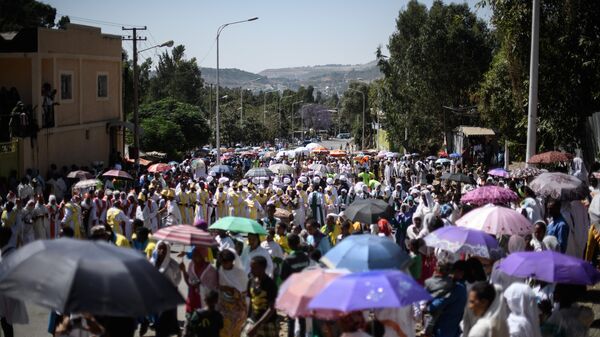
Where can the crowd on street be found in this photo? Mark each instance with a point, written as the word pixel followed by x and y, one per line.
pixel 467 250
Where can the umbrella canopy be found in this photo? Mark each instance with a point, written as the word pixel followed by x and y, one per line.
pixel 282 169
pixel 559 186
pixel 366 252
pixel 221 169
pixel 320 150
pixel 443 161
pixel 238 225
pixel 173 163
pixel 454 155
pixel 120 174
pixel 282 214
pixel 338 153
pixel 300 288
pixel 368 211
pixel 499 172
pixel 431 158
pixel 459 178
pixel 319 168
pixel 462 240
pixel 496 220
pixel 159 167
pixel 489 195
pixel 197 163
pixel 550 266
pixel 88 183
pixel 311 146
pixel 302 150
pixel 86 276
pixel 259 172
pixel 79 174
pixel 550 157
pixel 369 290
pixel 185 234
pixel 526 172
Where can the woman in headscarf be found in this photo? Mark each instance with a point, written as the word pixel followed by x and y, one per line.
pixel 499 278
pixel 523 319
pixel 233 283
pixel 485 315
pixel 40 219
pixel 191 276
pixel 167 323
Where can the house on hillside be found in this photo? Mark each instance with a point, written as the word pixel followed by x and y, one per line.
pixel 69 83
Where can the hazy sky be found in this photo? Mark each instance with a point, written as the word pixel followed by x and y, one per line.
pixel 288 33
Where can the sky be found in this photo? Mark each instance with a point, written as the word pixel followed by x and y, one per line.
pixel 287 34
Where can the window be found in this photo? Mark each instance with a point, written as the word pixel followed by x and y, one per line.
pixel 102 85
pixel 66 86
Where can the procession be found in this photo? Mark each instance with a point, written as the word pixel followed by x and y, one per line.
pixel 313 241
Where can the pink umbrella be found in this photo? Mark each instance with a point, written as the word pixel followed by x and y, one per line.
pixel 496 220
pixel 499 172
pixel 118 174
pixel 300 288
pixel 185 234
pixel 489 195
pixel 159 167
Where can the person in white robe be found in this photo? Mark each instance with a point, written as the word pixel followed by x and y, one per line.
pixel 40 219
pixel 524 317
pixel 316 204
pixel 576 216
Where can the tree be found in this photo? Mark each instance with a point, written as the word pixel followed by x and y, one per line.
pixel 62 22
pixel 352 112
pixel 188 118
pixel 437 58
pixel 161 135
pixel 569 71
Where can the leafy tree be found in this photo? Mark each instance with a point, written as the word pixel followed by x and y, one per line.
pixel 352 112
pixel 569 70
pixel 189 119
pixel 437 58
pixel 161 135
pixel 62 22
pixel 176 78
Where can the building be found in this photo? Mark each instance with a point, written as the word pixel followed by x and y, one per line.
pixel 79 69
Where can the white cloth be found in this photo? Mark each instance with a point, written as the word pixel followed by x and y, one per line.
pixel 236 277
pixel 491 324
pixel 168 267
pixel 523 320
pixel 273 248
pixel 577 218
pixel 248 254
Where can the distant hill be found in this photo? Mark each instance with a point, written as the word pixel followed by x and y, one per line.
pixel 327 78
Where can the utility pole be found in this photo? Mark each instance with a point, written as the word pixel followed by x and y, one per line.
pixel 210 113
pixel 533 81
pixel 136 120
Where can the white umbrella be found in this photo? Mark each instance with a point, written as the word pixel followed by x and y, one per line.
pixel 311 146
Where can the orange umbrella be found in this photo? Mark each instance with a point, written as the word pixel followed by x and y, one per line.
pixel 337 153
pixel 320 150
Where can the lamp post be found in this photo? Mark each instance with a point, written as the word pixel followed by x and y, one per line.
pixel 363 116
pixel 136 115
pixel 217 116
pixel 292 119
pixel 242 98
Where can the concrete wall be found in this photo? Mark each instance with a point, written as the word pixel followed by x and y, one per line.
pixel 78 40
pixel 16 72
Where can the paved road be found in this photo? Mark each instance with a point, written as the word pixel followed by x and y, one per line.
pixel 38 316
pixel 335 143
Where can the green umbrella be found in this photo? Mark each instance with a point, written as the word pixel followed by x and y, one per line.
pixel 240 225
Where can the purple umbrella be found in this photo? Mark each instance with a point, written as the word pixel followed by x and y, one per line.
pixel 499 172
pixel 489 195
pixel 550 266
pixel 460 240
pixel 369 290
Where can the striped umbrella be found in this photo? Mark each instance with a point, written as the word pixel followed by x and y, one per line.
pixel 259 172
pixel 185 234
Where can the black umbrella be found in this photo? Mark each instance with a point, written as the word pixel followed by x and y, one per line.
pixel 75 276
pixel 368 210
pixel 458 177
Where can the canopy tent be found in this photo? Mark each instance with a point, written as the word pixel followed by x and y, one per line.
pixel 462 132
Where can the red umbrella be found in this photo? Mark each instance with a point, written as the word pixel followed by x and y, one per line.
pixel 550 157
pixel 185 234
pixel 160 167
pixel 118 174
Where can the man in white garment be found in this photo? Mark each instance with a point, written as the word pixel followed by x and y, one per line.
pixel 316 205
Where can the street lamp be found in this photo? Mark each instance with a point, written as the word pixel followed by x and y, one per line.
pixel 363 116
pixel 136 117
pixel 242 98
pixel 292 118
pixel 217 116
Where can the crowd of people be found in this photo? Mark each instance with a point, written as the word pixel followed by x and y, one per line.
pixel 232 289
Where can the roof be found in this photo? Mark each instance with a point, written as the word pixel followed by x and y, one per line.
pixel 475 131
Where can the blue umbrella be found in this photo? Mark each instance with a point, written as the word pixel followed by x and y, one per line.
pixel 369 290
pixel 364 252
pixel 173 163
pixel 221 169
pixel 454 155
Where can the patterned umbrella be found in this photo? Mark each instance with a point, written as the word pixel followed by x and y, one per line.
pixel 526 172
pixel 282 169
pixel 550 157
pixel 458 177
pixel 160 167
pixel 79 174
pixel 499 172
pixel 259 172
pixel 462 240
pixel 496 220
pixel 118 174
pixel 185 234
pixel 489 195
pixel 559 186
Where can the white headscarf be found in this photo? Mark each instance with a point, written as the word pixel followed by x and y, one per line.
pixel 523 320
pixel 165 262
pixel 236 277
pixel 516 244
pixel 578 169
